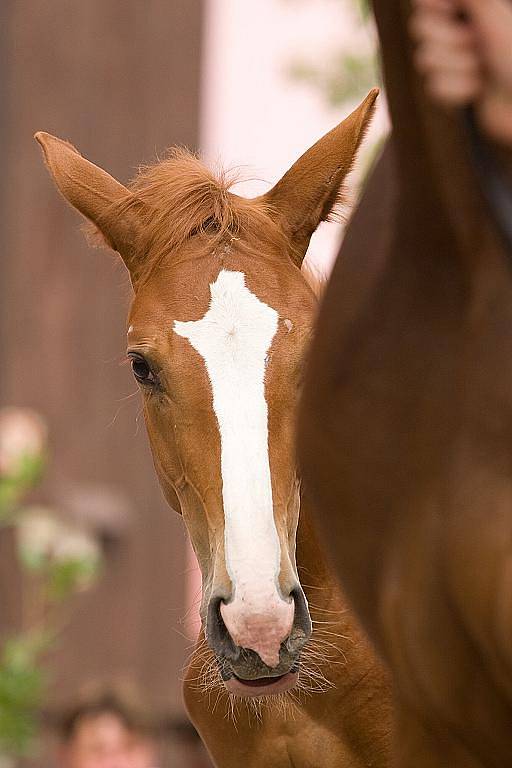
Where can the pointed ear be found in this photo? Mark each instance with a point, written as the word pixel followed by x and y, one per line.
pixel 94 193
pixel 308 192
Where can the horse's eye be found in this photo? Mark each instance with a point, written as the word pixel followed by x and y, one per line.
pixel 141 370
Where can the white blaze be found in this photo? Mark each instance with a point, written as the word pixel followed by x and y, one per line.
pixel 234 338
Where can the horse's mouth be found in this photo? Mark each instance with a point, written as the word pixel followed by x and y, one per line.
pixel 256 686
pixel 262 686
pixel 247 676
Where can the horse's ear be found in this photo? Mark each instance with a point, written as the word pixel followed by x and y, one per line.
pixel 94 193
pixel 308 192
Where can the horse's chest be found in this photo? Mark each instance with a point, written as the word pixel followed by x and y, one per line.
pixel 301 743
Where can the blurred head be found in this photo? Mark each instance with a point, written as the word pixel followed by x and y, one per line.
pixel 106 733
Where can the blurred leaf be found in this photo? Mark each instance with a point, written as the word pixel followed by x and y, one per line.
pixel 343 76
pixel 68 576
pixel 10 495
pixel 364 9
pixel 64 560
pixel 22 684
pixel 30 470
pixel 36 562
pixel 13 486
pixel 346 78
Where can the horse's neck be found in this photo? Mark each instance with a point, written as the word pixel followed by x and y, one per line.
pixel 427 140
pixel 323 591
pixel 339 647
pixel 315 572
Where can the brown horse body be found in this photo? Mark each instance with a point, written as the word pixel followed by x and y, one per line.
pixel 406 430
pixel 218 330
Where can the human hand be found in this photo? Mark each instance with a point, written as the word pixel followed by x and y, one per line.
pixel 465 53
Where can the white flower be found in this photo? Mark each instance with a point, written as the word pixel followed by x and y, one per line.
pixel 37 532
pixel 74 544
pixel 43 537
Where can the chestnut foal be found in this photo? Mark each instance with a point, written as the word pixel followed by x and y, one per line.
pixel 217 334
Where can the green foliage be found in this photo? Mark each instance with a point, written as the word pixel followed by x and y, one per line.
pixel 14 485
pixel 57 561
pixel 63 559
pixel 22 683
pixel 345 78
pixel 68 576
pixel 363 6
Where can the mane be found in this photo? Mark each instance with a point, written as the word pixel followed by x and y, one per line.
pixel 180 197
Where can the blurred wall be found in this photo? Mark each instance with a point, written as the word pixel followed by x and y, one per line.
pixel 121 82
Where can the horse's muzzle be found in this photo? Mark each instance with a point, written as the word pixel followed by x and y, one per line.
pixel 246 664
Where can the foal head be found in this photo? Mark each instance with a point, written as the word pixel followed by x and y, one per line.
pixel 217 333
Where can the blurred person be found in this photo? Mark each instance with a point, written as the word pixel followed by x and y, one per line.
pixel 106 732
pixel 465 52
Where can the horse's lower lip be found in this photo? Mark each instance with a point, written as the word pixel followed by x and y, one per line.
pixel 263 686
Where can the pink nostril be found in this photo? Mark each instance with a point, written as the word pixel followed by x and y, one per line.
pixel 261 625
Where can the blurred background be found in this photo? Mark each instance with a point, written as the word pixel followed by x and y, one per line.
pixel 98 586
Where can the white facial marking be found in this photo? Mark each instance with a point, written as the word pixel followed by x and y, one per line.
pixel 234 338
pixel 288 324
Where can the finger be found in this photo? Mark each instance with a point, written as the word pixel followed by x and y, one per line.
pixel 491 17
pixel 428 26
pixel 495 116
pixel 454 89
pixel 445 7
pixel 482 6
pixel 432 58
